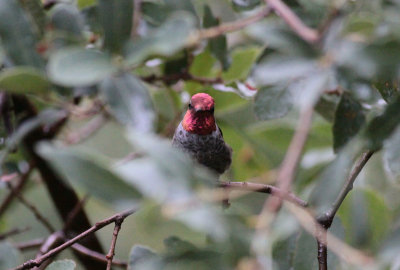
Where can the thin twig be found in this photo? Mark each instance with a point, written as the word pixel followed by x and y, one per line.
pixel 32 208
pixel 308 34
pixel 186 76
pixel 88 130
pixel 327 218
pixel 13 232
pixel 17 189
pixel 137 14
pixel 288 168
pixel 224 28
pixel 263 188
pixel 91 230
pixel 77 247
pixel 111 252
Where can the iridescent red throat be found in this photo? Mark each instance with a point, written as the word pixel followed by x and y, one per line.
pixel 201 123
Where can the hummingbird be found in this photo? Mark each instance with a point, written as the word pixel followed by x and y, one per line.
pixel 199 135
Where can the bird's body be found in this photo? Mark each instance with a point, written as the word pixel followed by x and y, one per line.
pixel 199 135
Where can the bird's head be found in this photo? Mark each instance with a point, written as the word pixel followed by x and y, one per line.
pixel 199 117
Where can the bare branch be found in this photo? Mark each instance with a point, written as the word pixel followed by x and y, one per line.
pixel 91 230
pixel 88 130
pixel 111 252
pixel 13 232
pixel 326 220
pixel 224 28
pixel 308 34
pixel 263 188
pixel 32 208
pixel 17 189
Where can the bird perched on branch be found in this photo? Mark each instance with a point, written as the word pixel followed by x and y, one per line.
pixel 199 135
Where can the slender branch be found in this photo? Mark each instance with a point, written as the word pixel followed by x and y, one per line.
pixel 13 232
pixel 32 208
pixel 17 189
pixel 263 188
pixel 89 129
pixel 77 247
pixel 111 252
pixel 327 218
pixel 221 29
pixel 287 168
pixel 181 76
pixel 91 230
pixel 308 34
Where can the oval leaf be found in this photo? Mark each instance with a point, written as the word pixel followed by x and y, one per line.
pixel 9 256
pixel 62 265
pixel 161 42
pixel 17 35
pixel 272 102
pixel 116 19
pixel 23 80
pixel 129 101
pixel 79 67
pixel 88 172
pixel 349 118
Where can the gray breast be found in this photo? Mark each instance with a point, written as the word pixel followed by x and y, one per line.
pixel 209 150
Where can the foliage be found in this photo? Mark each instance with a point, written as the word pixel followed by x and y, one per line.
pixel 92 90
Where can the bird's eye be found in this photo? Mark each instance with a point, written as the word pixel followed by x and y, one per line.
pixel 190 105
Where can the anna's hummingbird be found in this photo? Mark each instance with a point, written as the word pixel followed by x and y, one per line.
pixel 199 135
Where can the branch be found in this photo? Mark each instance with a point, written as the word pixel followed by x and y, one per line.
pixel 308 34
pixel 32 208
pixel 17 189
pixel 288 167
pixel 77 247
pixel 86 131
pixel 326 219
pixel 13 232
pixel 263 188
pixel 221 29
pixel 91 230
pixel 111 252
pixel 185 75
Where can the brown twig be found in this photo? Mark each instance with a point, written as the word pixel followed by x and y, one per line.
pixel 32 208
pixel 88 130
pixel 17 190
pixel 91 230
pixel 111 252
pixel 137 14
pixel 327 218
pixel 77 247
pixel 308 34
pixel 263 188
pixel 13 232
pixel 186 76
pixel 221 29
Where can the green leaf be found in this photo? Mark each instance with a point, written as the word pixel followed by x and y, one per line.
pixel 154 13
pixel 391 155
pixel 62 265
pixel 245 4
pixel 272 102
pixel 9 256
pixel 23 80
pixel 242 61
pixel 382 126
pixel 67 19
pixel 17 36
pixel 160 41
pixel 330 182
pixel 116 18
pixel 349 119
pixel 76 67
pixel 218 46
pixel 389 252
pixel 389 90
pixel 129 101
pixel 170 177
pixel 366 218
pixel 36 14
pixel 91 174
pixel 143 258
